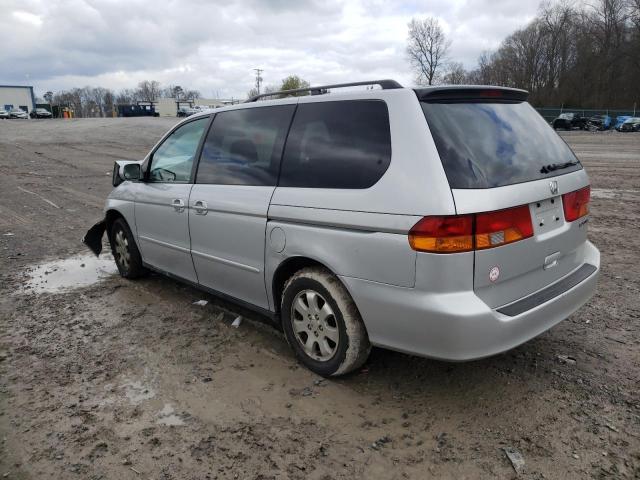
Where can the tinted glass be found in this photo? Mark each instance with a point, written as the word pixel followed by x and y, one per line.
pixel 484 145
pixel 173 159
pixel 244 147
pixel 344 144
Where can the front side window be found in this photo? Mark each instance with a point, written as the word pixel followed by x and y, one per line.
pixel 172 161
pixel 337 144
pixel 244 147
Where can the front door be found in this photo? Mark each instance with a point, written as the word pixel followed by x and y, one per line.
pixel 237 174
pixel 161 208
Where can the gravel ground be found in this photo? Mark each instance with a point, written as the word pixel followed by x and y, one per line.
pixel 118 379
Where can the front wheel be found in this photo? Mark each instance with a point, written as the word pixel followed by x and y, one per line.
pixel 322 324
pixel 125 251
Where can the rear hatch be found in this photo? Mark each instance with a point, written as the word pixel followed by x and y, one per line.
pixel 518 181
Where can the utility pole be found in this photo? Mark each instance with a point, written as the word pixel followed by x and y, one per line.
pixel 258 78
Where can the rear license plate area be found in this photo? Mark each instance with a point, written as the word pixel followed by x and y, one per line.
pixel 547 215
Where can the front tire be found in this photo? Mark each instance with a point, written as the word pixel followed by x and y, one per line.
pixel 125 251
pixel 322 323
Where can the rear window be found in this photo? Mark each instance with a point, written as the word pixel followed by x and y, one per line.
pixel 485 145
pixel 338 144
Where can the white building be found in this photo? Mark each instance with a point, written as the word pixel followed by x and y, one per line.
pixel 168 107
pixel 17 96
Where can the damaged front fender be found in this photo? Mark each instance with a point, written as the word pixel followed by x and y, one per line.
pixel 93 237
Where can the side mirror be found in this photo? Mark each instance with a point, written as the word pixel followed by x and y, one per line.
pixel 125 170
pixel 131 171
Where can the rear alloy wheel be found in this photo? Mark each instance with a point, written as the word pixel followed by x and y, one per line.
pixel 125 251
pixel 322 324
pixel 314 325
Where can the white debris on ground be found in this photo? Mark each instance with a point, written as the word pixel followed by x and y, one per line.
pixel 516 459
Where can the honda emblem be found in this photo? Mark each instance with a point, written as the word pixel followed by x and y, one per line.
pixel 553 186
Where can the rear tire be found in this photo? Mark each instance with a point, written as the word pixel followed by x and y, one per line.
pixel 322 324
pixel 125 251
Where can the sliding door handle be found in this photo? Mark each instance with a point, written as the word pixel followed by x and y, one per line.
pixel 200 206
pixel 178 204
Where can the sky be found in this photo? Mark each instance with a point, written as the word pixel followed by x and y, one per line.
pixel 213 46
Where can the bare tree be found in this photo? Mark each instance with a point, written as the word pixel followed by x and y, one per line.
pixel 191 94
pixel 252 92
pixel 427 49
pixel 580 55
pixel 455 74
pixel 173 91
pixel 149 90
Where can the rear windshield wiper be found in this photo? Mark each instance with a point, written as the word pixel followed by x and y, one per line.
pixel 557 166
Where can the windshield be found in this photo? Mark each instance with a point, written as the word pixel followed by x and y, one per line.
pixel 486 145
pixel 566 116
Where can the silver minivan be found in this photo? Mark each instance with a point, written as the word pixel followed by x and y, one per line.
pixel 447 222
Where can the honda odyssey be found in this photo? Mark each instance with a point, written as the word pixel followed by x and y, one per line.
pixel 448 222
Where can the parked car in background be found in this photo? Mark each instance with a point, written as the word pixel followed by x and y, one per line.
pixel 18 113
pixel 599 122
pixel 3 113
pixel 620 119
pixel 40 113
pixel 367 218
pixel 631 125
pixel 187 111
pixel 568 121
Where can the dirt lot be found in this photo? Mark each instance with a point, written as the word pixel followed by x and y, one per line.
pixel 121 379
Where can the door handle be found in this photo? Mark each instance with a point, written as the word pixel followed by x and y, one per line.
pixel 200 206
pixel 178 204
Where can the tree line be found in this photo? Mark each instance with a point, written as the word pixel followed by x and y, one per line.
pixel 583 55
pixel 100 102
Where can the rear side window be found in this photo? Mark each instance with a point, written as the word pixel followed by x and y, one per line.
pixel 244 147
pixel 485 145
pixel 339 144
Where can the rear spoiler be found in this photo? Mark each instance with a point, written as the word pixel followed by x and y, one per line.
pixel 472 93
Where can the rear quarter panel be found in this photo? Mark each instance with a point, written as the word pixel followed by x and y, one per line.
pixel 351 244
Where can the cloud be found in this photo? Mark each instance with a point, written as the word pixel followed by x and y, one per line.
pixel 214 45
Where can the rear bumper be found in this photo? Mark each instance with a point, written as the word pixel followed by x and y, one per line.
pixel 459 326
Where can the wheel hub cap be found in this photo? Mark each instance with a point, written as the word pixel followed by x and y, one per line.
pixel 122 250
pixel 314 325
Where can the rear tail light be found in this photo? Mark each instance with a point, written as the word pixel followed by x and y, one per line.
pixel 462 233
pixel 576 204
pixel 504 226
pixel 443 234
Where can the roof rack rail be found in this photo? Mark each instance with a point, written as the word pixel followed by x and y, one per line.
pixel 322 89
